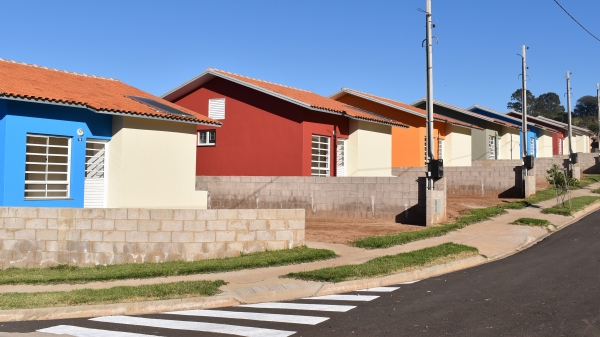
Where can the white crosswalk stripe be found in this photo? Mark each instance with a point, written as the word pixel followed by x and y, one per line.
pixel 359 298
pixel 300 306
pixel 381 289
pixel 195 326
pixel 297 319
pixel 87 332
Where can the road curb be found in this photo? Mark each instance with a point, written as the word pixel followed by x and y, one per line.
pixel 413 275
pixel 135 308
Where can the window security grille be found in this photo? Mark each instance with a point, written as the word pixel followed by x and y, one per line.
pixel 492 147
pixel 560 146
pixel 531 146
pixel 341 158
pixel 47 167
pixel 95 153
pixel 216 108
pixel 207 137
pixel 425 149
pixel 440 149
pixel 320 156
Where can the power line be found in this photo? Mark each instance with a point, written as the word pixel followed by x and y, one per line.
pixel 569 14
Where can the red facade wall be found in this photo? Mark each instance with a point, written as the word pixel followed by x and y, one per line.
pixel 556 148
pixel 261 135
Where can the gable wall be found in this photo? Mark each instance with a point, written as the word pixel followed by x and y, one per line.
pixel 261 134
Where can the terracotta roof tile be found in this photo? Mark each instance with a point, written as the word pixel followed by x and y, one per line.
pixel 310 98
pixel 411 108
pixel 21 80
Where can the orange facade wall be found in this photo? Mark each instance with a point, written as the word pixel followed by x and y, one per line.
pixel 408 146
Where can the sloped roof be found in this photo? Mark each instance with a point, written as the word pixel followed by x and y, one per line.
pixel 467 112
pixel 516 120
pixel 99 94
pixel 304 98
pixel 402 107
pixel 557 124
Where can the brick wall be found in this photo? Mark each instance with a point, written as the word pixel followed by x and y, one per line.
pixel 40 237
pixel 400 199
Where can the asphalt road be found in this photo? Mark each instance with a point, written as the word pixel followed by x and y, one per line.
pixel 550 289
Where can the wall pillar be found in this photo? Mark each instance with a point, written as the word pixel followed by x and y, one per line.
pixel 576 171
pixel 530 184
pixel 436 203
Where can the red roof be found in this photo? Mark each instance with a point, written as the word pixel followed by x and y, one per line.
pixel 27 81
pixel 413 109
pixel 298 96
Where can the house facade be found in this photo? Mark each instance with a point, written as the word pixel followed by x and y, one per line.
pixel 452 138
pixel 581 141
pixel 540 138
pixel 275 130
pixel 494 140
pixel 75 140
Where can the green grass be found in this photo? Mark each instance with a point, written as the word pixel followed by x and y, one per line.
pixel 597 191
pixel 388 264
pixel 533 222
pixel 471 217
pixel 589 179
pixel 161 291
pixel 577 203
pixel 72 275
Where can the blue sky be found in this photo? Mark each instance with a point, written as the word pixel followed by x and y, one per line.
pixel 373 46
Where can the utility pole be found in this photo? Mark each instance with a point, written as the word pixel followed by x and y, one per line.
pixel 429 98
pixel 524 106
pixel 569 116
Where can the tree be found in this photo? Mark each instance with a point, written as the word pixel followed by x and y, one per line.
pixel 548 105
pixel 517 98
pixel 587 106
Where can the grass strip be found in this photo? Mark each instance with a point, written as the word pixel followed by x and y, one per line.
pixel 73 275
pixel 161 291
pixel 597 191
pixel 388 264
pixel 577 204
pixel 589 179
pixel 471 217
pixel 533 222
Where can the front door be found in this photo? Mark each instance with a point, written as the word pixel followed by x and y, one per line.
pixel 95 182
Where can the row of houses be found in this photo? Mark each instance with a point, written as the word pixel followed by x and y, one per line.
pixel 275 130
pixel 75 140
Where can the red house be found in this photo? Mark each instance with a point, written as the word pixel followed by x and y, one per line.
pixel 275 130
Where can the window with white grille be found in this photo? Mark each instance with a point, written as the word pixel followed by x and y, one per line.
pixel 531 146
pixel 425 149
pixel 440 149
pixel 320 156
pixel 47 167
pixel 95 153
pixel 341 158
pixel 560 146
pixel 207 137
pixel 216 108
pixel 492 147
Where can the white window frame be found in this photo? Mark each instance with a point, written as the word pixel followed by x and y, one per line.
pixel 104 156
pixel 560 146
pixel 492 147
pixel 425 151
pixel 440 149
pixel 48 182
pixel 532 146
pixel 213 113
pixel 208 133
pixel 326 159
pixel 341 142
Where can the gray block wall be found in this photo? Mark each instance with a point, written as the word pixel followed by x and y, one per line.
pixel 400 199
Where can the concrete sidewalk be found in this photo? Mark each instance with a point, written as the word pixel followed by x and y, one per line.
pixel 494 238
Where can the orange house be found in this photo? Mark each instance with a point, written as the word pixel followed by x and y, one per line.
pixel 451 137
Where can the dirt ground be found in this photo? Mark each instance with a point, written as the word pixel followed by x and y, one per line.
pixel 344 232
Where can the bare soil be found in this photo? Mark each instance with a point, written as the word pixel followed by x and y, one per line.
pixel 345 232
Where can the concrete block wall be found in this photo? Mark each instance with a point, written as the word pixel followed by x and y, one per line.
pixel 400 199
pixel 41 237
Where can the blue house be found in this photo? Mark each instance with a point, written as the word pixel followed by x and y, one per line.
pixel 74 140
pixel 539 138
